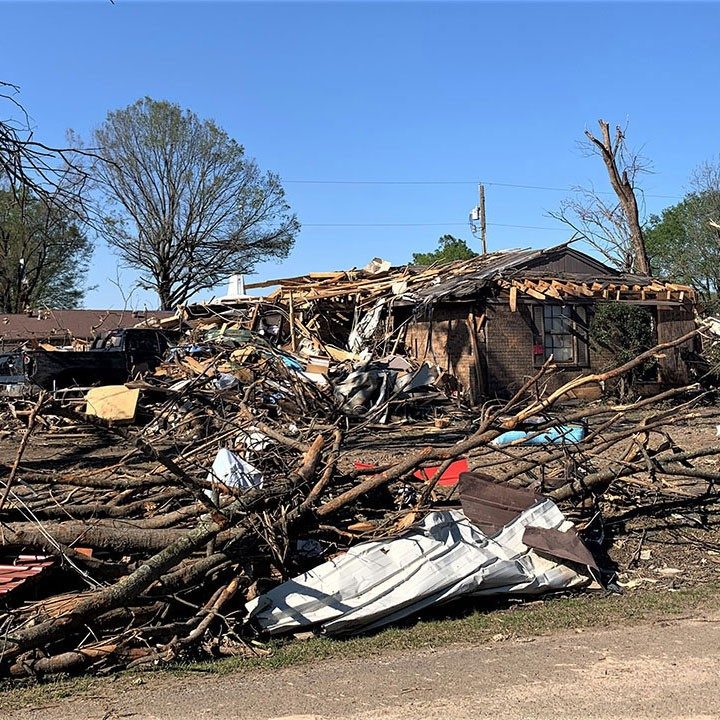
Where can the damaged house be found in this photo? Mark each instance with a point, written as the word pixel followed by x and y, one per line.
pixel 491 321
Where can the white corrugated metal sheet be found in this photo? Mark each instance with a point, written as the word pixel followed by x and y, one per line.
pixel 445 557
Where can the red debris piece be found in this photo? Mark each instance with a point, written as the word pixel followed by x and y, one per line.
pixel 449 478
pixel 23 568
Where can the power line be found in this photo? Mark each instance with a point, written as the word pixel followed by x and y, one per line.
pixel 461 182
pixel 447 224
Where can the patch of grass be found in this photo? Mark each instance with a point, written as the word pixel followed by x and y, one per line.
pixel 26 693
pixel 477 626
pixel 522 620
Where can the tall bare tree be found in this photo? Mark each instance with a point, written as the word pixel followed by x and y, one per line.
pixel 612 226
pixel 190 208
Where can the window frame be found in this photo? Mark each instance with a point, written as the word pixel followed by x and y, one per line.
pixel 578 332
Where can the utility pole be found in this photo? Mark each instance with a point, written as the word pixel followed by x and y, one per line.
pixel 483 225
pixel 478 215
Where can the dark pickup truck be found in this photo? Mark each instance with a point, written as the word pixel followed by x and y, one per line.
pixel 113 358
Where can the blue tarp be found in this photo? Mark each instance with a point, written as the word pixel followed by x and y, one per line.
pixel 558 435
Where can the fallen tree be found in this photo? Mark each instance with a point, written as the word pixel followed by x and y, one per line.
pixel 157 555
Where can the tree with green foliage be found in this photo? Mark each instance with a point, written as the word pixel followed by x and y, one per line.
pixel 44 253
pixel 625 331
pixel 189 208
pixel 683 241
pixel 449 248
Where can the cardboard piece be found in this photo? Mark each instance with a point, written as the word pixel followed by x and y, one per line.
pixel 112 402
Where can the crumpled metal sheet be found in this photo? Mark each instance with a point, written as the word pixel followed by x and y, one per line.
pixel 444 558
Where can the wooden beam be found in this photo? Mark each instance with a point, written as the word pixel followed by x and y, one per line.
pixel 534 293
pixel 480 389
pixel 293 339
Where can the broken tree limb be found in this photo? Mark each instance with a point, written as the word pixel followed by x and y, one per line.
pixel 485 434
pixel 584 485
pixel 21 448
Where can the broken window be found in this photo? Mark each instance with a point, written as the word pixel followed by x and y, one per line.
pixel 561 332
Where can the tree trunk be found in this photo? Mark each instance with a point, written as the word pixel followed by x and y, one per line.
pixel 624 191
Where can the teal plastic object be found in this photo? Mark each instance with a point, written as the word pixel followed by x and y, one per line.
pixel 558 435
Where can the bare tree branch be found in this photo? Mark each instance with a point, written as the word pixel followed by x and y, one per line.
pixel 54 175
pixel 613 228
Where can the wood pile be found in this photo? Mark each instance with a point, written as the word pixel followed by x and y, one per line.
pixel 154 557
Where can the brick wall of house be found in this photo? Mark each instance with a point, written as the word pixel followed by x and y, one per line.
pixel 444 340
pixel 509 350
pixel 449 343
pixel 674 322
pixel 505 345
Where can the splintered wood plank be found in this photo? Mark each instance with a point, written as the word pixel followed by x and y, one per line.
pixel 552 292
pixel 513 299
pixel 199 368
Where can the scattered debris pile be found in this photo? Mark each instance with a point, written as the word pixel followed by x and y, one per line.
pixel 207 484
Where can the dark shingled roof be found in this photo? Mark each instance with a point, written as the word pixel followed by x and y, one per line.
pixel 59 326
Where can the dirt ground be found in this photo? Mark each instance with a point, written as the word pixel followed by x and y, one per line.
pixel 669 669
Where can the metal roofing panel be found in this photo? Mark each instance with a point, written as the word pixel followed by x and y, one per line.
pixel 491 506
pixel 442 558
pixel 24 568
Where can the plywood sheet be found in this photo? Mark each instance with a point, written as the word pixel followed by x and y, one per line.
pixel 112 402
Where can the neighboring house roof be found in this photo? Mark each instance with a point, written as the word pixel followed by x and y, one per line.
pixel 54 325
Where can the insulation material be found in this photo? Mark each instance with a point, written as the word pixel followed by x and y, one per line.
pixel 365 327
pixel 558 435
pixel 444 558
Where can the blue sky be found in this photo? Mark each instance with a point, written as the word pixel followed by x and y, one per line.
pixel 439 95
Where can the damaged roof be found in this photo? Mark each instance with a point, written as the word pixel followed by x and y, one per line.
pixel 557 272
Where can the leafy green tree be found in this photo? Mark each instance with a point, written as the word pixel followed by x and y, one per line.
pixel 449 248
pixel 626 332
pixel 44 254
pixel 189 208
pixel 683 243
